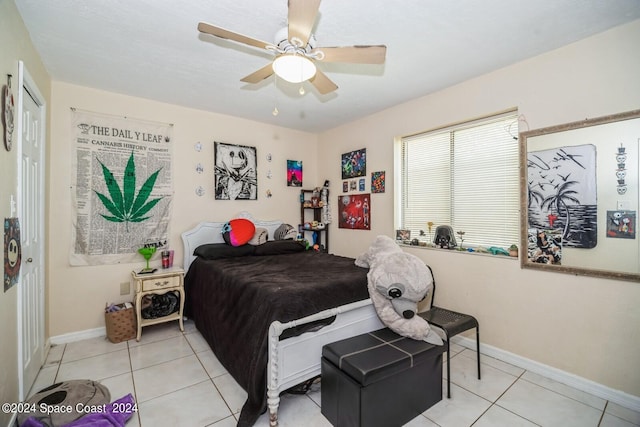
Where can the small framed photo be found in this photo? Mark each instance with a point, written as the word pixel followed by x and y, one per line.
pixel 403 235
pixel 361 184
pixel 345 186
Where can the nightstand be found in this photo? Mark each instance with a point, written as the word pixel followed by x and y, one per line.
pixel 160 282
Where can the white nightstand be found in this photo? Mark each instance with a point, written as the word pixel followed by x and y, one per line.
pixel 162 281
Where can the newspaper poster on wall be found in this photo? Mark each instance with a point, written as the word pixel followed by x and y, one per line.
pixel 121 187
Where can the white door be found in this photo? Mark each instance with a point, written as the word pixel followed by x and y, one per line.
pixel 31 214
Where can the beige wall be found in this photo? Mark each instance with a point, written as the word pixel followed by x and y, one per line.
pixel 15 46
pixel 78 294
pixel 585 326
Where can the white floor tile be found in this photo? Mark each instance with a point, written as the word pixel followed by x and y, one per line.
pixel 421 421
pixel 55 355
pixel 211 363
pixel 462 409
pixel 159 332
pixel 624 413
pixel 167 377
pixel 498 364
pixel 45 378
pixel 565 390
pixel 96 367
pixel 197 341
pixel 609 420
pixel 548 408
pixel 150 354
pixel 90 347
pixel 232 393
pixel 119 386
pixel 500 417
pixel 494 382
pixel 296 411
pixel 197 405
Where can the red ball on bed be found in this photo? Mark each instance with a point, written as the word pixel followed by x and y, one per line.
pixel 238 232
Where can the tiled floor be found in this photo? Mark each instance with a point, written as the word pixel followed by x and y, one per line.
pixel 177 381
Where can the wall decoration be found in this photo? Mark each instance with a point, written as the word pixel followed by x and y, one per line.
pixel 199 168
pixel 294 173
pixel 8 109
pixel 402 235
pixel 545 246
pixel 355 211
pixel 121 187
pixel 12 252
pixel 562 193
pixel 236 175
pixel 345 186
pixel 198 146
pixel 361 184
pixel 621 172
pixel 353 185
pixel 200 190
pixel 377 182
pixel 621 224
pixel 354 164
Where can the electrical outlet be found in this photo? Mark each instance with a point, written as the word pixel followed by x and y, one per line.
pixel 125 288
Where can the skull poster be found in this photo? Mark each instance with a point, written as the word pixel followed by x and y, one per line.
pixel 236 175
pixel 12 252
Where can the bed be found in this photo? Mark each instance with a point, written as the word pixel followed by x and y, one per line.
pixel 267 315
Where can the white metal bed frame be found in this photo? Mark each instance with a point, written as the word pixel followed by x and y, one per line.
pixel 296 359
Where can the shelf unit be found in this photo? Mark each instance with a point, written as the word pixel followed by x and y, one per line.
pixel 310 211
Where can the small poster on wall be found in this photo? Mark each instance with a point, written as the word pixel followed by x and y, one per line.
pixel 377 182
pixel 355 211
pixel 621 224
pixel 294 173
pixel 354 164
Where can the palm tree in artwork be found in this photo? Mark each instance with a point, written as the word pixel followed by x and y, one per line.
pixel 561 200
pixel 533 195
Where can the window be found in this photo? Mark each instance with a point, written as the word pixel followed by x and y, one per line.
pixel 465 176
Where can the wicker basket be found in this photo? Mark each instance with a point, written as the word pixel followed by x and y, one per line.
pixel 121 325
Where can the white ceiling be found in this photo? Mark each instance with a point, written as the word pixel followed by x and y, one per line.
pixel 152 49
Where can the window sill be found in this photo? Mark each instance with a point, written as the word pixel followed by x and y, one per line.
pixel 458 251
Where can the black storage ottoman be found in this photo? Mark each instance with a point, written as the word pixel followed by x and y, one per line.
pixel 379 379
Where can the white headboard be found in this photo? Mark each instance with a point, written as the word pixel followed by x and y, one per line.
pixel 211 232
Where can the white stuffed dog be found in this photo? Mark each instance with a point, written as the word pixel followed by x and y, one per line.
pixel 397 281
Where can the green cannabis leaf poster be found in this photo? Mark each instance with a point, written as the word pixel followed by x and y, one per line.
pixel 121 187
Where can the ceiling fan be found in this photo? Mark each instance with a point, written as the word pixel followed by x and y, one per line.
pixel 296 51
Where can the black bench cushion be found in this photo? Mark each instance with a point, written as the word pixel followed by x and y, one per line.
pixel 371 357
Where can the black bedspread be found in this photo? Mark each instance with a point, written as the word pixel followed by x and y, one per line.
pixel 233 301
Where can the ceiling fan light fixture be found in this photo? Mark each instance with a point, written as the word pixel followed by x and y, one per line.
pixel 294 68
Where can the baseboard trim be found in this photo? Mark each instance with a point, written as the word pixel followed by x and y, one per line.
pixel 616 396
pixel 78 336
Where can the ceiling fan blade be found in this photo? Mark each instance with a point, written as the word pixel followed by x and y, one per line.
pixel 323 83
pixel 354 54
pixel 259 75
pixel 302 16
pixel 203 27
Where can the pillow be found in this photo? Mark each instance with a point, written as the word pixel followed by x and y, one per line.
pixel 213 251
pixel 238 232
pixel 285 232
pixel 279 247
pixel 261 236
